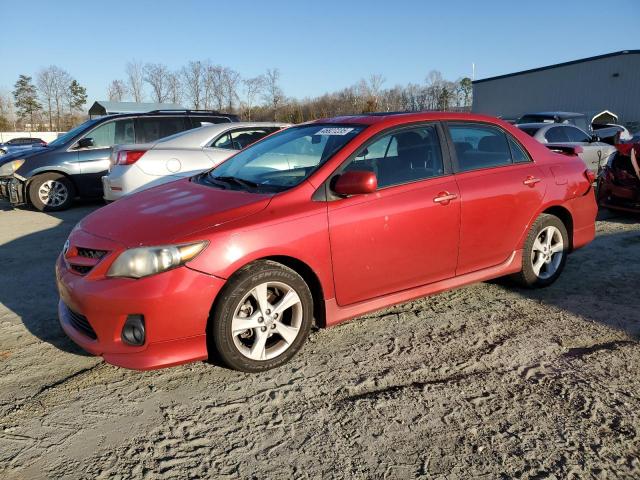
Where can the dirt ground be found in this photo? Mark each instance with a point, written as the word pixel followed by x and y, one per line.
pixel 483 382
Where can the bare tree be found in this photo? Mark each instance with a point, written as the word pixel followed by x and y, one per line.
pixel 174 87
pixel 156 75
pixel 62 81
pixel 252 89
pixel 117 91
pixel 213 86
pixel 192 75
pixel 231 80
pixel 135 79
pixel 46 83
pixel 273 94
pixel 375 86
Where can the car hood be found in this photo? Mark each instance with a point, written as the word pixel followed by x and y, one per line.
pixel 26 153
pixel 168 213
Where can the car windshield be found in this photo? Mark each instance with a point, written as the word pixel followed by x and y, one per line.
pixel 62 139
pixel 284 159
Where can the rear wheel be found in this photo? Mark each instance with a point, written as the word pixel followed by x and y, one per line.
pixel 51 192
pixel 262 317
pixel 544 254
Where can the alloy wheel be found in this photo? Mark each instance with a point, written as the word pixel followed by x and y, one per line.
pixel 267 321
pixel 53 193
pixel 547 252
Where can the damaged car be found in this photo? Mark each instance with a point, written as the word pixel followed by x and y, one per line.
pixel 619 181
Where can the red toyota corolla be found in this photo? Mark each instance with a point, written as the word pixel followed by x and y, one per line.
pixel 319 223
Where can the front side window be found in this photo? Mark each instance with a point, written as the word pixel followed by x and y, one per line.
pixel 112 133
pixel 557 135
pixel 479 146
pixel 284 159
pixel 401 157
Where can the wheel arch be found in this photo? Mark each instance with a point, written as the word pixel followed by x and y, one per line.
pixel 565 217
pixel 301 268
pixel 36 174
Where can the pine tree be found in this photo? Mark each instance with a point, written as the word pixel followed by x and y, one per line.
pixel 26 98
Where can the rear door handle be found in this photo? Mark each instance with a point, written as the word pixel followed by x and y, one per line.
pixel 443 198
pixel 531 181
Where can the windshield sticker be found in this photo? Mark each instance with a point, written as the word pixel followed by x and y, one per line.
pixel 334 131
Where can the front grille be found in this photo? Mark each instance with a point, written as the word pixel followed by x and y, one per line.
pixel 81 269
pixel 81 324
pixel 91 253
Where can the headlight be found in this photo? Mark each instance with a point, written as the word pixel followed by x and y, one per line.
pixel 141 262
pixel 8 168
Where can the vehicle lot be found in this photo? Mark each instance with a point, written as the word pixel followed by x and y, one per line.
pixel 477 382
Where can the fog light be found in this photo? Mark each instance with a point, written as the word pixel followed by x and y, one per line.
pixel 133 332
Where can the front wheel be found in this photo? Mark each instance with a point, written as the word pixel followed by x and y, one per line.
pixel 51 192
pixel 262 317
pixel 544 254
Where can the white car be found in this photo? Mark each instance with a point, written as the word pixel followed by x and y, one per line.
pixel 137 167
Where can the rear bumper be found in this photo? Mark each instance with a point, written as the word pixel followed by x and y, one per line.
pixel 111 190
pixel 175 305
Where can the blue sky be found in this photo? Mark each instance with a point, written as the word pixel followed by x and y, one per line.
pixel 318 46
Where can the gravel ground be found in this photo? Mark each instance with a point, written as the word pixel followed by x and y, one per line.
pixel 482 382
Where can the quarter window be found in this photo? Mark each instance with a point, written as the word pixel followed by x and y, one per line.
pixel 517 153
pixel 480 146
pixel 402 157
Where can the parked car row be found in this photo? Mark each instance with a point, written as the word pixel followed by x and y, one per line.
pixel 20 144
pixel 50 178
pixel 314 224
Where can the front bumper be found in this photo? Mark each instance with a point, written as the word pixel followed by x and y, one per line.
pixel 175 304
pixel 12 190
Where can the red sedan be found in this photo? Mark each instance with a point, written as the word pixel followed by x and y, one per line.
pixel 321 222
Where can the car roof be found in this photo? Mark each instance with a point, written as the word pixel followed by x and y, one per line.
pixel 202 135
pixel 556 114
pixel 160 113
pixel 398 118
pixel 540 125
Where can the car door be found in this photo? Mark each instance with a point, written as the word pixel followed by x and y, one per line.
pixel 593 153
pixel 406 233
pixel 94 160
pixel 500 189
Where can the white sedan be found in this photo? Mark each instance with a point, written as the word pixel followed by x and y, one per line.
pixel 137 167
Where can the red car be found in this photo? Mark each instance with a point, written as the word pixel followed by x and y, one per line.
pixel 321 222
pixel 619 181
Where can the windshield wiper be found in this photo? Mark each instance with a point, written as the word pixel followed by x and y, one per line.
pixel 238 181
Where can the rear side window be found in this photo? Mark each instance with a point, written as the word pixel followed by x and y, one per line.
pixel 401 157
pixel 239 139
pixel 577 135
pixel 150 129
pixel 479 146
pixel 557 135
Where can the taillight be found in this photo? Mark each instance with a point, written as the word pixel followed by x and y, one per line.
pixel 590 176
pixel 128 157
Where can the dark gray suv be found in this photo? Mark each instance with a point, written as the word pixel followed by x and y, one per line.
pixel 72 166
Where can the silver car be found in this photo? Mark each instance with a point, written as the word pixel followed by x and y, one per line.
pixel 595 153
pixel 137 167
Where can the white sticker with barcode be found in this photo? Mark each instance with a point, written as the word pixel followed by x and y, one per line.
pixel 334 131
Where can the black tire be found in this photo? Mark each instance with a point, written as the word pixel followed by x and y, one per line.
pixel 527 277
pixel 55 204
pixel 234 296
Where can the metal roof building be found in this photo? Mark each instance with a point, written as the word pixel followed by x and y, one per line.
pixel 102 107
pixel 590 85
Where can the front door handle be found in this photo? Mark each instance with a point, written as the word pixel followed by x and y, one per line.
pixel 531 181
pixel 443 198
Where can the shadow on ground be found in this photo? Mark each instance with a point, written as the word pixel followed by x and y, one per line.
pixel 27 279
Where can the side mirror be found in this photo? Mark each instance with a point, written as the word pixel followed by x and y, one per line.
pixel 85 142
pixel 595 138
pixel 356 182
